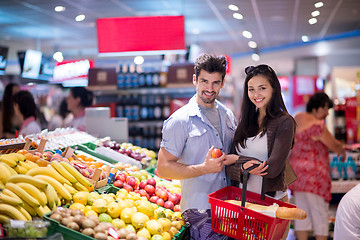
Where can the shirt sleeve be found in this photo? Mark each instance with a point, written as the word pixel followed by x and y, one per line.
pixel 174 136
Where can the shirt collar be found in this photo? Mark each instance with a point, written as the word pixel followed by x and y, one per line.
pixel 194 109
pixel 27 121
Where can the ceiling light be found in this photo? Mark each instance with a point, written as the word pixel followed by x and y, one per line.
pixel 58 56
pixel 138 60
pixel 247 34
pixel 233 7
pixel 312 21
pixel 305 38
pixel 315 13
pixel 59 8
pixel 255 57
pixel 196 31
pixel 252 44
pixel 319 4
pixel 238 16
pixel 80 18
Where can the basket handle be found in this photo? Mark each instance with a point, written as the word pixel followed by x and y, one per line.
pixel 245 179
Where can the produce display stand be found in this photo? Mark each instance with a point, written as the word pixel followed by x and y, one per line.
pixel 32 147
pixel 50 236
pixel 12 147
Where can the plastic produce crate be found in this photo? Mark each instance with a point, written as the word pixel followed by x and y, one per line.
pixel 242 223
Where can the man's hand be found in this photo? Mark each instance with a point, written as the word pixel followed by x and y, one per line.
pixel 213 165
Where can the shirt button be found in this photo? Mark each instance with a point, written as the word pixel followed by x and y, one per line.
pixel 217 134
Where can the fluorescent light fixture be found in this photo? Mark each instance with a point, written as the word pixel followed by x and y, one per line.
pixel 305 38
pixel 233 7
pixel 80 18
pixel 238 16
pixel 58 56
pixel 138 60
pixel 312 21
pixel 319 4
pixel 247 34
pixel 252 44
pixel 59 8
pixel 255 57
pixel 147 53
pixel 315 13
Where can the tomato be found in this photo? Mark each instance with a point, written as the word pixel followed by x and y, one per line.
pixel 216 153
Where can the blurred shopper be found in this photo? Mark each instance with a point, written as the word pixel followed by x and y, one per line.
pixel 189 136
pixel 61 118
pixel 25 109
pixel 9 122
pixel 310 160
pixel 347 219
pixel 79 98
pixel 265 135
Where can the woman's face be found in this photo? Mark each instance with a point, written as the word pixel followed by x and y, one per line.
pixel 72 103
pixel 322 112
pixel 259 91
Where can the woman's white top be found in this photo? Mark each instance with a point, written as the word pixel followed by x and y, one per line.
pixel 257 147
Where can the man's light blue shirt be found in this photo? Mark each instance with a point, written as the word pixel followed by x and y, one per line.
pixel 188 135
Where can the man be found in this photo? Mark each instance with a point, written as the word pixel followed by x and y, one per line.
pixel 189 136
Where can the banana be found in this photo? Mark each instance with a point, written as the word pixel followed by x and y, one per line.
pixel 71 189
pixel 2 186
pixel 22 194
pixel 81 179
pixel 11 161
pixel 78 186
pixel 41 211
pixel 12 212
pixel 29 209
pixel 35 192
pixel 58 167
pixel 32 164
pixel 5 173
pixel 19 169
pixel 19 156
pixel 57 186
pixel 24 212
pixel 10 200
pixel 28 179
pixel 11 170
pixel 51 196
pixel 47 171
pixel 25 165
pixel 12 194
pixel 4 218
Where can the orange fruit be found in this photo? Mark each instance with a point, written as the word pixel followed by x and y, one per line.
pixel 31 157
pixel 22 151
pixel 89 159
pixel 82 157
pixel 41 162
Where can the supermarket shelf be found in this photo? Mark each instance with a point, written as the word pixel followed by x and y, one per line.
pixel 343 186
pixel 142 91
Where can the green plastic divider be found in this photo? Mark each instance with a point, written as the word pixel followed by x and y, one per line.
pixel 93 153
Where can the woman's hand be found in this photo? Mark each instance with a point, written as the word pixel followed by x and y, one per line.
pixel 230 159
pixel 260 170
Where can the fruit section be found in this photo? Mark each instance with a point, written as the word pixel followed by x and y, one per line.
pixel 69 191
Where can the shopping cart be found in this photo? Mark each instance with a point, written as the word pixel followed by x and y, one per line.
pixel 241 223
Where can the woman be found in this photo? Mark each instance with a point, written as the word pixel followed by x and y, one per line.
pixel 9 122
pixel 25 110
pixel 79 98
pixel 265 135
pixel 310 160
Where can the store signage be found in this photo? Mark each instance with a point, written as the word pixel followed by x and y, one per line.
pixel 72 69
pixel 284 82
pixel 303 88
pixel 148 35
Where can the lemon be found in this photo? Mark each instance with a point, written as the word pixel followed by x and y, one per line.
pixel 144 233
pixel 157 237
pixel 103 217
pixel 108 198
pixel 176 224
pixel 90 212
pixel 146 208
pixel 154 227
pixel 139 219
pixel 127 213
pixel 100 205
pixel 92 197
pixel 114 209
pixel 79 206
pixel 166 223
pixel 131 228
pixel 166 236
pixel 124 204
pixel 81 197
pixel 118 223
pixel 176 216
pixel 173 231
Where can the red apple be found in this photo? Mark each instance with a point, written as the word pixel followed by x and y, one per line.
pixel 131 181
pixel 178 196
pixel 216 153
pixel 85 173
pixel 173 198
pixel 118 183
pixel 121 176
pixel 127 187
pixel 142 184
pixel 142 192
pixel 169 205
pixel 137 191
pixel 151 181
pixel 160 202
pixel 162 194
pixel 177 208
pixel 153 199
pixel 150 189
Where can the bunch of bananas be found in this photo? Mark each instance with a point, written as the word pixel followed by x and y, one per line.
pixel 39 191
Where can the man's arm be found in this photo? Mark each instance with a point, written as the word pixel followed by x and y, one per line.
pixel 169 167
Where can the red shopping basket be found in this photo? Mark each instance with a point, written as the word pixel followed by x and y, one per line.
pixel 241 223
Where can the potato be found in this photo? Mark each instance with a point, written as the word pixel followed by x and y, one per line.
pixel 88 232
pixel 100 236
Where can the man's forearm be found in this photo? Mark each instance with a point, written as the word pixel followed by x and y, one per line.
pixel 175 170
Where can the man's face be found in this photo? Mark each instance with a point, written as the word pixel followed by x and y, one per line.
pixel 208 86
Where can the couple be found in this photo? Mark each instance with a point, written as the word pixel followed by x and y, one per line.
pixel 265 133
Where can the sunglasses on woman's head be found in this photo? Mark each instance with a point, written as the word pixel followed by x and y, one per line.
pixel 260 68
